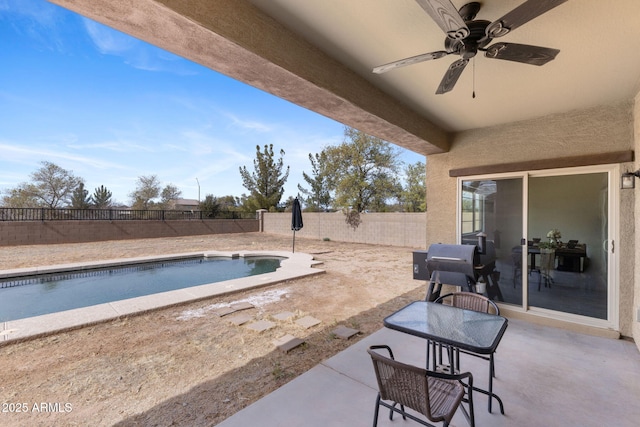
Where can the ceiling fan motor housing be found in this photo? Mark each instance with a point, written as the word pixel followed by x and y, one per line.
pixel 468 47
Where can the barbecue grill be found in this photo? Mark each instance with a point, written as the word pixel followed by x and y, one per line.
pixel 456 265
pixel 451 265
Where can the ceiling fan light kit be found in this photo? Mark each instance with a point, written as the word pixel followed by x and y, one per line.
pixel 465 36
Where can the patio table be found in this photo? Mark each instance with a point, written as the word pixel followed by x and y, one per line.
pixel 455 328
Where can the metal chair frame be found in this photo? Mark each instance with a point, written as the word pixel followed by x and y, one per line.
pixel 468 301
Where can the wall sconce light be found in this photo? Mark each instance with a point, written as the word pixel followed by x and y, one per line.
pixel 627 180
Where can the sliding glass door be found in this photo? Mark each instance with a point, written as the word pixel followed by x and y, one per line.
pixel 568 217
pixel 550 235
pixel 494 207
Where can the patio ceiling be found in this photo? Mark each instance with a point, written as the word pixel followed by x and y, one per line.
pixel 319 54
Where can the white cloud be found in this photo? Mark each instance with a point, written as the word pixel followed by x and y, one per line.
pixel 106 40
pixel 251 125
pixel 138 54
pixel 32 155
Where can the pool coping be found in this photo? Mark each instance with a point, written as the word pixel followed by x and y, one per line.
pixel 295 265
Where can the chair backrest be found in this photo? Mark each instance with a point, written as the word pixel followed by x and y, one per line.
pixel 412 387
pixel 516 257
pixel 471 301
pixel 396 378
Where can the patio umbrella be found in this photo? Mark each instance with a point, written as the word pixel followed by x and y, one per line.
pixel 296 220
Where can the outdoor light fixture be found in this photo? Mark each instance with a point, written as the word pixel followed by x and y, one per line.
pixel 627 180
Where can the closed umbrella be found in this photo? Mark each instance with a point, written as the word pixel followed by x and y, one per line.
pixel 296 220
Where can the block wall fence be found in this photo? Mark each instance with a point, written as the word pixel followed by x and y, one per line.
pixel 393 229
pixel 52 232
pixel 406 229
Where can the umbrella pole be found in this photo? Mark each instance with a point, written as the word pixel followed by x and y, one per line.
pixel 294 241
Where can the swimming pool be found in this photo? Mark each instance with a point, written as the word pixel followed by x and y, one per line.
pixel 292 266
pixel 39 294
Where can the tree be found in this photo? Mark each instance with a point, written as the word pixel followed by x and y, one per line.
pixel 210 206
pixel 148 188
pixel 51 186
pixel 363 173
pixel 101 198
pixel 414 192
pixel 266 183
pixel 80 198
pixel 228 203
pixel 20 197
pixel 318 197
pixel 169 195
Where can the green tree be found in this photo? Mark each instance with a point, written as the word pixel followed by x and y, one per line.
pixel 147 189
pixel 318 196
pixel 266 182
pixel 101 198
pixel 80 198
pixel 169 195
pixel 51 186
pixel 363 173
pixel 20 197
pixel 228 203
pixel 414 192
pixel 210 206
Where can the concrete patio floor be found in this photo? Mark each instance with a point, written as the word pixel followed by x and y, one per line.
pixel 545 377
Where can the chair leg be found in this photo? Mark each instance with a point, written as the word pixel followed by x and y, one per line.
pixel 375 413
pixel 391 411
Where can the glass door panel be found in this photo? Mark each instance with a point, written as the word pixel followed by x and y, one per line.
pixel 569 271
pixel 494 207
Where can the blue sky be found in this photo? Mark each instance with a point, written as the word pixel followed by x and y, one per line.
pixel 111 108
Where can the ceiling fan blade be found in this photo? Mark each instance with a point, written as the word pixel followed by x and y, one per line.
pixel 444 13
pixel 451 76
pixel 408 61
pixel 527 54
pixel 522 14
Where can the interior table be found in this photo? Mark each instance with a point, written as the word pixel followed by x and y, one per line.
pixel 455 328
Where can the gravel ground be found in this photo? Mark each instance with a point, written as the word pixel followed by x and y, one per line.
pixel 185 365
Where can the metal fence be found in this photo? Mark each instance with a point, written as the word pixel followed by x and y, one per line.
pixel 47 214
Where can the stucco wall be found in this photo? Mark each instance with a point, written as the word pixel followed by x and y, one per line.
pixel 592 131
pixel 635 315
pixel 394 229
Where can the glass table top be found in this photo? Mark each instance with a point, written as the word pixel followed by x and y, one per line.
pixel 466 329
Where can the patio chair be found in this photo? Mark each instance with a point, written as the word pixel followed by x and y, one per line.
pixel 547 265
pixel 475 302
pixel 516 258
pixel 468 301
pixel 435 395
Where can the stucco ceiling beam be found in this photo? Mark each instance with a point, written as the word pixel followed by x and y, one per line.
pixel 235 38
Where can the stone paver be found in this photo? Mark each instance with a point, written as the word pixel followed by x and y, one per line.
pixel 242 306
pixel 345 333
pixel 261 325
pixel 240 319
pixel 287 343
pixel 284 316
pixel 223 311
pixel 308 321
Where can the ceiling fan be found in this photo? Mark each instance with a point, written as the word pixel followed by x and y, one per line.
pixel 466 36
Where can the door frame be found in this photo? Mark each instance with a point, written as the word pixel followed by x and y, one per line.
pixel 613 226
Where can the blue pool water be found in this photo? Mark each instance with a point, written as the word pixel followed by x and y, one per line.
pixel 37 295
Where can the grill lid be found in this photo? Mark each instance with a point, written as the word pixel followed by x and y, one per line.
pixel 453 264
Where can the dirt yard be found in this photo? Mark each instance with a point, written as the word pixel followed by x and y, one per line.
pixel 185 365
